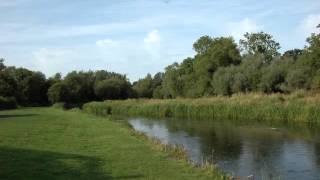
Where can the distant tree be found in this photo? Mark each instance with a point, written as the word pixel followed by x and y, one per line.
pixel 311 56
pixel 8 84
pixel 2 66
pixel 251 69
pixel 54 79
pixel 59 92
pixel 157 80
pixel 112 88
pixel 299 78
pixel 81 86
pixel 294 53
pixel 222 52
pixel 203 44
pixel 143 87
pixel 260 43
pixel 273 79
pixel 158 93
pixel 35 89
pixel 222 81
pixel 172 83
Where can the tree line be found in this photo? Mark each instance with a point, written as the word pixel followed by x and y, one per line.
pixel 220 67
pixel 223 67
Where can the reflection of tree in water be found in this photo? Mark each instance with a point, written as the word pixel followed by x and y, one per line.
pixel 266 148
pixel 215 141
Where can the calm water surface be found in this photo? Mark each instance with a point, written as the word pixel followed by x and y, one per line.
pixel 242 149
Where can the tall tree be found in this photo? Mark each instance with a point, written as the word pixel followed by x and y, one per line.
pixel 260 43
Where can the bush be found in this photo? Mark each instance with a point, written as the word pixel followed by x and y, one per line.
pixel 7 103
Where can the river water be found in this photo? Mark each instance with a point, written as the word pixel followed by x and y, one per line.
pixel 241 149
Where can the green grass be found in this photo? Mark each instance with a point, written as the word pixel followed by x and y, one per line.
pixel 297 107
pixel 47 143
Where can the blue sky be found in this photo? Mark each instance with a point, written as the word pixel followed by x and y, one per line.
pixel 136 37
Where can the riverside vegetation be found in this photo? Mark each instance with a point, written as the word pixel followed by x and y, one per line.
pixel 249 80
pixel 297 107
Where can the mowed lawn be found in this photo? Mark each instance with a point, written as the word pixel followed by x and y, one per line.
pixel 47 143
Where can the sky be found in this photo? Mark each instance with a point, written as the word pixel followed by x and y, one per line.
pixel 136 37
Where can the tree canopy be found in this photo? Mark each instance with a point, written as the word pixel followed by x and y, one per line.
pixel 217 68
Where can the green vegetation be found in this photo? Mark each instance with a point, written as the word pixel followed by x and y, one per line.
pixel 219 67
pixel 297 107
pixel 47 143
pixel 7 103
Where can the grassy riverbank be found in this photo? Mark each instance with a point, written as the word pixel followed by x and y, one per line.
pixel 47 143
pixel 297 107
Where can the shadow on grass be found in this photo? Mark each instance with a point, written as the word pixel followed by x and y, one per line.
pixel 34 164
pixel 16 115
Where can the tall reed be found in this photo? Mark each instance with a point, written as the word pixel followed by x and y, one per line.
pixel 296 107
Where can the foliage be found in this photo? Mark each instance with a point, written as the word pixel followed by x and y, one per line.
pixel 59 92
pixel 260 43
pixel 112 88
pixel 298 107
pixel 217 68
pixel 7 103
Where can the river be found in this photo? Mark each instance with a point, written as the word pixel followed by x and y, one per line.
pixel 266 151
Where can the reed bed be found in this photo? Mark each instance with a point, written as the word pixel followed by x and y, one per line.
pixel 297 107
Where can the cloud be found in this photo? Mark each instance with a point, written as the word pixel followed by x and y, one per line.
pixel 152 37
pixel 309 25
pixel 52 60
pixel 132 57
pixel 238 29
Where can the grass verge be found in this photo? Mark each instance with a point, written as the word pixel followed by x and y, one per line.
pixel 47 143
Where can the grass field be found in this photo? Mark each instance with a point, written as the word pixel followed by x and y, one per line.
pixel 296 107
pixel 47 143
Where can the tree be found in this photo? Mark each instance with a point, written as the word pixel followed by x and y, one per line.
pixel 143 87
pixel 203 44
pixel 59 92
pixel 35 90
pixel 222 81
pixel 8 84
pixel 81 86
pixel 112 88
pixel 299 78
pixel 273 79
pixel 260 43
pixel 2 66
pixel 222 52
pixel 294 53
pixel 172 82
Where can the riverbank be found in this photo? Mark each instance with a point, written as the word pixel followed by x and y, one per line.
pixel 296 107
pixel 47 143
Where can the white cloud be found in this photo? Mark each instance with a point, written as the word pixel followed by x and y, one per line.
pixel 309 25
pixel 152 37
pixel 152 45
pixel 135 57
pixel 238 29
pixel 52 61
